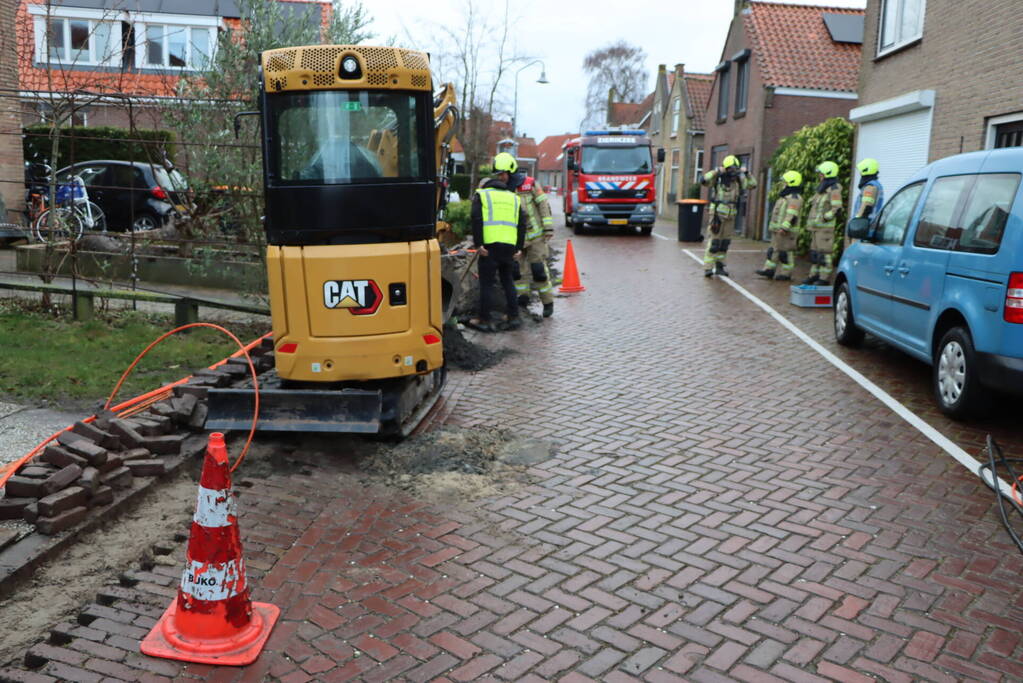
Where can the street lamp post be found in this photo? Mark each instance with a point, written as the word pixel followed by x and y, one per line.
pixel 542 79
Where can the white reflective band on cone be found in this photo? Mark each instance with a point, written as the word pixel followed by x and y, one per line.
pixel 206 581
pixel 214 507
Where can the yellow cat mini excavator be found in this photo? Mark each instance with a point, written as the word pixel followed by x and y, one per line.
pixel 355 152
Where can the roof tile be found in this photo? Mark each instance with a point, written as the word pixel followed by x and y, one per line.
pixel 794 47
pixel 698 88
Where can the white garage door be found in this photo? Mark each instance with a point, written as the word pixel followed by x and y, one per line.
pixel 900 144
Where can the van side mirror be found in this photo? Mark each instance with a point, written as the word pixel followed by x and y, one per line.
pixel 858 229
pixel 660 155
pixel 570 161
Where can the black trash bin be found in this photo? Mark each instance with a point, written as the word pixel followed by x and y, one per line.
pixel 690 219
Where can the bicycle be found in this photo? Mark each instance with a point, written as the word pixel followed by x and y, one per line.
pixel 73 215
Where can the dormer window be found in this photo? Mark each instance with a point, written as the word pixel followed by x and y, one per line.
pixel 178 47
pixel 76 37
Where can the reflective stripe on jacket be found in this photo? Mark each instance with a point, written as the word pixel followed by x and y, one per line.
pixel 500 216
pixel 869 202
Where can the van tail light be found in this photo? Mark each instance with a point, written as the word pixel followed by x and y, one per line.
pixel 1014 299
pixel 158 192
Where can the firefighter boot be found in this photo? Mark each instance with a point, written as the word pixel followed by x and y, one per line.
pixel 719 269
pixel 548 309
pixel 783 276
pixel 708 273
pixel 524 300
pixel 811 280
pixel 765 272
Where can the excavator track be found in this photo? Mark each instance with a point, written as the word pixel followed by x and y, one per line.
pixel 388 408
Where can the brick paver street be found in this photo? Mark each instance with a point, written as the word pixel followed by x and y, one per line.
pixel 723 504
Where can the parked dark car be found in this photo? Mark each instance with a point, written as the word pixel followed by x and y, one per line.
pixel 132 194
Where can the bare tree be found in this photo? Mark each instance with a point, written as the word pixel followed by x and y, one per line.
pixel 476 55
pixel 618 67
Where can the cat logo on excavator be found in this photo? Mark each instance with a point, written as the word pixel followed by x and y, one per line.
pixel 360 297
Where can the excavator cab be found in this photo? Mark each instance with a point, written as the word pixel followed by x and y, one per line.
pixel 350 155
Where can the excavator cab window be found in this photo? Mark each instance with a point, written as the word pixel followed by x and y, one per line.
pixel 336 137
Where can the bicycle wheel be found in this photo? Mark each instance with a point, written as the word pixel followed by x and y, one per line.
pixel 64 224
pixel 93 218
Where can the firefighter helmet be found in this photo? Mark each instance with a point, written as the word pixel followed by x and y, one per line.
pixel 828 169
pixel 792 178
pixel 867 167
pixel 505 163
pixel 730 161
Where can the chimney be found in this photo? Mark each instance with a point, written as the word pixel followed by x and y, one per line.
pixel 610 105
pixel 680 70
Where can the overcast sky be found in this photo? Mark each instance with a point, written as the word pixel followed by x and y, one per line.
pixel 561 32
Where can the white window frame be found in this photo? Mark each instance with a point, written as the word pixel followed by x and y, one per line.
pixel 676 114
pixel 902 40
pixel 676 161
pixel 698 165
pixel 40 17
pixel 992 127
pixel 177 21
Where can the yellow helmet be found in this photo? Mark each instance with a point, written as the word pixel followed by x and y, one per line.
pixel 730 161
pixel 867 167
pixel 828 169
pixel 505 163
pixel 792 178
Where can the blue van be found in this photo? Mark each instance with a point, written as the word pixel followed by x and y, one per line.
pixel 939 274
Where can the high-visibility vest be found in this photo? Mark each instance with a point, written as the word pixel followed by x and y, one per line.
pixel 500 216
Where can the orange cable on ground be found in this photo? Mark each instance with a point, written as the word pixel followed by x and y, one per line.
pixel 133 405
pixel 252 371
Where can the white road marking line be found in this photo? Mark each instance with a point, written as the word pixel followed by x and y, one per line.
pixel 943 442
pixel 660 237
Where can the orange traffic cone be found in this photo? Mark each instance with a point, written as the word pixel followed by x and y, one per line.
pixel 570 282
pixel 213 620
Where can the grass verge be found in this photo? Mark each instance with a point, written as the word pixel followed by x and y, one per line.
pixel 47 358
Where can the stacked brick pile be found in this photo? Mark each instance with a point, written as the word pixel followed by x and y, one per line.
pixel 79 471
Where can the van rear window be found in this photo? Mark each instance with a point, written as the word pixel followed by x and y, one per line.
pixel 967 212
pixel 987 212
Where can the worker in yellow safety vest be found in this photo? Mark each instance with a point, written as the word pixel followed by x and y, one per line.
pixel 825 206
pixel 727 185
pixel 784 225
pixel 499 224
pixel 534 251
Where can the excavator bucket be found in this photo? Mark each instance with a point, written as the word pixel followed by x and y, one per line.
pixel 353 411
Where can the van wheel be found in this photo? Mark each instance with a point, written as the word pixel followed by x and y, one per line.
pixel 846 332
pixel 646 230
pixel 957 386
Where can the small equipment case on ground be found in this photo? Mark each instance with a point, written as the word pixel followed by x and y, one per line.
pixel 808 296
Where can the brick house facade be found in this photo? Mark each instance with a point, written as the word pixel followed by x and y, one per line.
pixel 109 49
pixel 925 95
pixel 682 126
pixel 782 67
pixel 11 168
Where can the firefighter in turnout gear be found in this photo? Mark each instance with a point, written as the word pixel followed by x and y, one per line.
pixel 499 223
pixel 784 225
pixel 727 185
pixel 533 273
pixel 871 198
pixel 821 221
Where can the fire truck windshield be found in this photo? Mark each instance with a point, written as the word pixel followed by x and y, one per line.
pixel 616 160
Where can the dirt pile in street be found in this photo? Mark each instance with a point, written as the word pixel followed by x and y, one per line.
pixel 452 465
pixel 463 354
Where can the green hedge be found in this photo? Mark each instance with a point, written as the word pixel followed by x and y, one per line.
pixel 84 143
pixel 457 214
pixel 803 151
pixel 460 184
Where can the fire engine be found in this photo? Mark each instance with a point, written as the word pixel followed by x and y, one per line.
pixel 609 180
